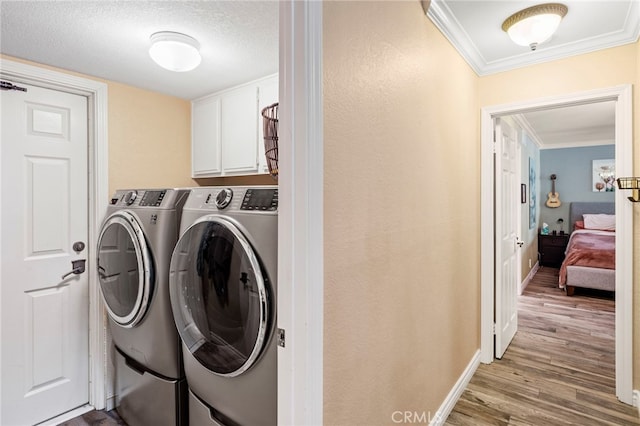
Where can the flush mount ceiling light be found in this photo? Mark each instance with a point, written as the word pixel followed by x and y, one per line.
pixel 175 51
pixel 534 25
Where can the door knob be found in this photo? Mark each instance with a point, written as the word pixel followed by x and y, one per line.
pixel 78 268
pixel 78 246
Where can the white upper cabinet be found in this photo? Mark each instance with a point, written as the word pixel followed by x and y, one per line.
pixel 227 130
pixel 239 130
pixel 205 137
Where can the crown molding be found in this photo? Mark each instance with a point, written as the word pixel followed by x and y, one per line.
pixel 449 26
pixel 577 144
pixel 526 126
pixel 446 22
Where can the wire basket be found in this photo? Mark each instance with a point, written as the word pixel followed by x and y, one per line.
pixel 629 183
pixel 270 127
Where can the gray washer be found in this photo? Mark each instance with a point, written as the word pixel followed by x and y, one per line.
pixel 222 282
pixel 135 244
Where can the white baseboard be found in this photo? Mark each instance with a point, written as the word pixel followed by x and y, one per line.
pixel 528 278
pixel 455 393
pixel 111 403
pixel 636 400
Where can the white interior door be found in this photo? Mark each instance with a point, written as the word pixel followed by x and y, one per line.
pixel 507 241
pixel 45 362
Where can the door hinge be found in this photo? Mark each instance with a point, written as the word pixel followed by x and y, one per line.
pixel 5 85
pixel 493 329
pixel 494 141
pixel 281 337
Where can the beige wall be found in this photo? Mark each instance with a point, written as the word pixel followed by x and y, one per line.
pixel 605 68
pixel 149 139
pixel 402 225
pixel 149 136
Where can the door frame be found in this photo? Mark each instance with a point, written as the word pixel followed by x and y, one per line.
pixel 624 222
pixel 98 187
pixel 300 215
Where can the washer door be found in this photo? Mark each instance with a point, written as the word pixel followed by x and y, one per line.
pixel 219 296
pixel 124 268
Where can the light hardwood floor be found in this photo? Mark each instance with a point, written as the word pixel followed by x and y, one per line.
pixel 96 418
pixel 559 369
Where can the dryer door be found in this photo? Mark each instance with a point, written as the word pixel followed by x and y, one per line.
pixel 124 268
pixel 220 295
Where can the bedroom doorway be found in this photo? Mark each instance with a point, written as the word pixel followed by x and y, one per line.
pixel 621 95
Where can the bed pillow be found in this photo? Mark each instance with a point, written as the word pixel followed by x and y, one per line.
pixel 579 224
pixel 604 222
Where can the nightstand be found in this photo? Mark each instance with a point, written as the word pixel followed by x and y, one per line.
pixel 551 248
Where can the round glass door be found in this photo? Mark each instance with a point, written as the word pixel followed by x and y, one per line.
pixel 124 269
pixel 219 296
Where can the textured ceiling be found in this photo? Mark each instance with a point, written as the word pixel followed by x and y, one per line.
pixel 110 39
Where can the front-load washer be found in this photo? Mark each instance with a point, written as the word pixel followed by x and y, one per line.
pixel 222 282
pixel 135 244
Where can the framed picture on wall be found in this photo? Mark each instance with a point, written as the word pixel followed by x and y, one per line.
pixel 532 193
pixel 604 176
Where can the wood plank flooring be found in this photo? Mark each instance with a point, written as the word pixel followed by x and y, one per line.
pixel 559 369
pixel 96 418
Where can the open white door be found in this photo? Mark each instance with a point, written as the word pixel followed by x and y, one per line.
pixel 45 316
pixel 507 241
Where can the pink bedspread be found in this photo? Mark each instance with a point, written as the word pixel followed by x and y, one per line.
pixel 591 249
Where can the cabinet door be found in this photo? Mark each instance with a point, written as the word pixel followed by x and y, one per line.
pixel 205 138
pixel 239 130
pixel 268 93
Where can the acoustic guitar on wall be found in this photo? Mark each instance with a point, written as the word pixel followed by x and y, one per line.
pixel 553 199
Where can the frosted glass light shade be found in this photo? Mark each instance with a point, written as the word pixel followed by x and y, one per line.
pixel 175 51
pixel 534 25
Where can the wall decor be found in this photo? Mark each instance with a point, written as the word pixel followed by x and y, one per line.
pixel 532 193
pixel 523 193
pixel 604 176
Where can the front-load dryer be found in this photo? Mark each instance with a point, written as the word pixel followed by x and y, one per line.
pixel 135 244
pixel 222 283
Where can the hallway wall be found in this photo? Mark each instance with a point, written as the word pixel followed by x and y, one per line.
pixel 402 230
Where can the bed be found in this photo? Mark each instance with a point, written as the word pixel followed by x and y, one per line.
pixel 590 256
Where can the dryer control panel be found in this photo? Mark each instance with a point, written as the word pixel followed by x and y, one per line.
pixel 151 198
pixel 260 199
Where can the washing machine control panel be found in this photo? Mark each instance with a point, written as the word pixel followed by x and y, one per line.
pixel 130 197
pixel 224 198
pixel 265 199
pixel 139 198
pixel 152 198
